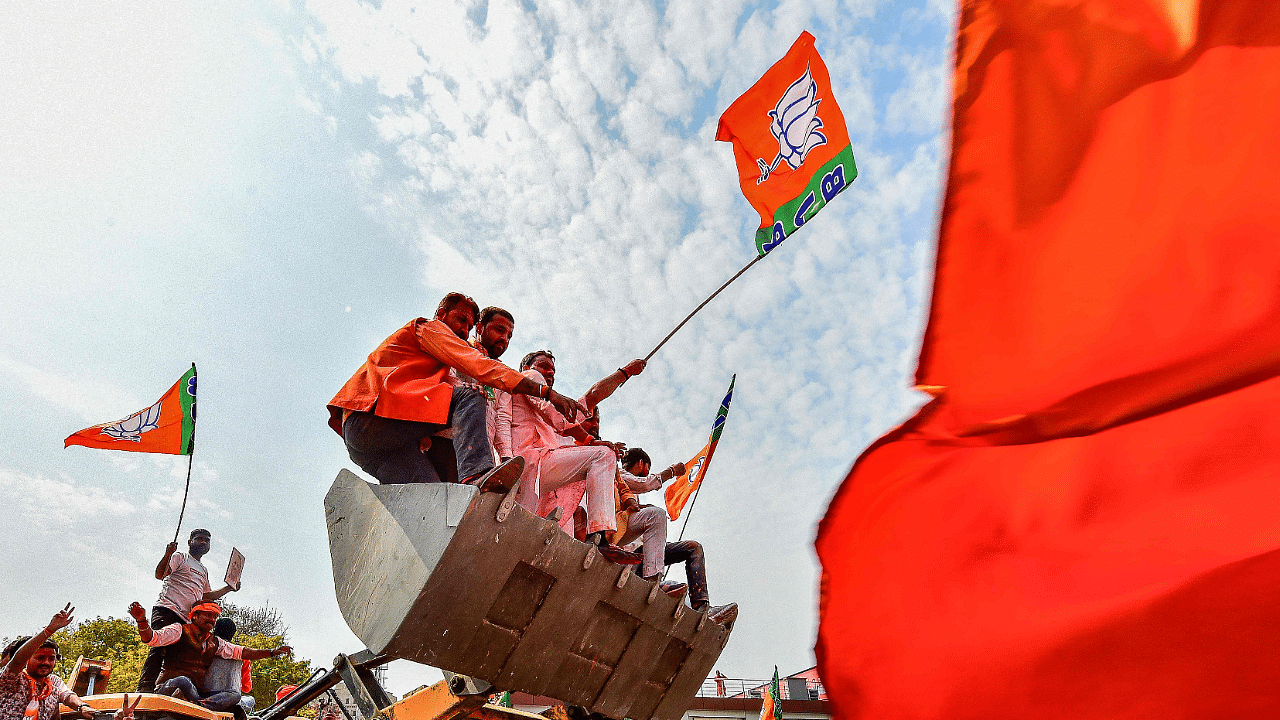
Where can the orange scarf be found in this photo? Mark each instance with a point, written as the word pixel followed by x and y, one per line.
pixel 40 689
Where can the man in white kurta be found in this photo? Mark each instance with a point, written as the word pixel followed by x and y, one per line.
pixel 545 440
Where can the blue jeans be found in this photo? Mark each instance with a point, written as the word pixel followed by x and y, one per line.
pixel 216 701
pixel 389 449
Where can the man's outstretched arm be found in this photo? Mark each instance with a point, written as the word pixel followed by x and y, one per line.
pixel 215 595
pixel 614 380
pixel 18 662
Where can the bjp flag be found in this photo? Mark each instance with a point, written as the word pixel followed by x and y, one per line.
pixel 678 492
pixel 790 143
pixel 167 426
pixel 1082 523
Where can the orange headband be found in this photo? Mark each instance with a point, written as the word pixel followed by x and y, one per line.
pixel 205 607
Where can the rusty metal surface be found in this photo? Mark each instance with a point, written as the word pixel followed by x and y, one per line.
pixel 516 602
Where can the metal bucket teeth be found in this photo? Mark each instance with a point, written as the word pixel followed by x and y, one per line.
pixel 430 573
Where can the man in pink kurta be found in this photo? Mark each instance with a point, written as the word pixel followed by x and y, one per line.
pixel 552 461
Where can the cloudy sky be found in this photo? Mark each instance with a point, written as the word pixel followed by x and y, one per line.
pixel 270 189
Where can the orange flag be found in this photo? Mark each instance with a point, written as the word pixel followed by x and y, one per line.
pixel 167 426
pixel 790 143
pixel 1082 523
pixel 678 492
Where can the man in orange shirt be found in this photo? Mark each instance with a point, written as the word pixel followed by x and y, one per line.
pixel 391 412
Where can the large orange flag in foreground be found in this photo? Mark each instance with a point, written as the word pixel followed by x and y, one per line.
pixel 1085 521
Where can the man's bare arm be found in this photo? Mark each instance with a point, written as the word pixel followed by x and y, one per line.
pixel 215 595
pixel 20 656
pixel 252 654
pixel 162 569
pixel 605 387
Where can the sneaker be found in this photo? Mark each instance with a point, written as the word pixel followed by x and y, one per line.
pixel 723 614
pixel 501 478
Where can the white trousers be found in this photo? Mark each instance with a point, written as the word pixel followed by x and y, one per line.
pixel 560 472
pixel 650 525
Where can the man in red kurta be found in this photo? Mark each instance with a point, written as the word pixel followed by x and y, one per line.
pixel 393 410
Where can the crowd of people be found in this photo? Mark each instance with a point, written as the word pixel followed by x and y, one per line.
pixel 191 655
pixel 434 403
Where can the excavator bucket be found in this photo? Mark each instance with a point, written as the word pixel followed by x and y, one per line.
pixel 473 583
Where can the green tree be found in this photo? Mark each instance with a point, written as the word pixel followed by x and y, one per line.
pixel 263 620
pixel 116 640
pixel 111 639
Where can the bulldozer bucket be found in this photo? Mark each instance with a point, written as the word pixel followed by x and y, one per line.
pixel 473 583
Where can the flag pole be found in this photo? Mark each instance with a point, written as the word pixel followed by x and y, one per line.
pixel 191 457
pixel 688 513
pixel 654 351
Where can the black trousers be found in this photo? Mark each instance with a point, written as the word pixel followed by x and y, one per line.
pixel 161 616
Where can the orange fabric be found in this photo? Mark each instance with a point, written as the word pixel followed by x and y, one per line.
pixel 1081 524
pixel 166 435
pixel 214 608
pixel 679 492
pixel 625 503
pixel 246 677
pixel 405 376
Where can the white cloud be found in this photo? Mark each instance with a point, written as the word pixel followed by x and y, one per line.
pixel 582 191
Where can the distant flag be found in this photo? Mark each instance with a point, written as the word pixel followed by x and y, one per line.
pixel 771 707
pixel 679 492
pixel 168 426
pixel 790 142
pixel 505 699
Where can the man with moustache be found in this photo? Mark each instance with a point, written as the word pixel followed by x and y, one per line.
pixel 392 410
pixel 28 688
pixel 192 648
pixel 493 334
pixel 554 461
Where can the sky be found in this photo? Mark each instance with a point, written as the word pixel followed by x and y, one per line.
pixel 269 189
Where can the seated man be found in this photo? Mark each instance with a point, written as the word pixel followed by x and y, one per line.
pixel 649 523
pixel 28 687
pixel 552 460
pixel 230 676
pixel 408 391
pixel 192 649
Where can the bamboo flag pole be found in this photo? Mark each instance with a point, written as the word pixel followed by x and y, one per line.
pixel 652 352
pixel 191 457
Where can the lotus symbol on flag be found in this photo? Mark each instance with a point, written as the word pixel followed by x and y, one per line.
pixel 132 427
pixel 696 470
pixel 794 122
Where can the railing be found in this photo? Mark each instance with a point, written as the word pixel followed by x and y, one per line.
pixel 740 687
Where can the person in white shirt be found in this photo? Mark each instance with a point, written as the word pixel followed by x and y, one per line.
pixel 649 523
pixel 186 584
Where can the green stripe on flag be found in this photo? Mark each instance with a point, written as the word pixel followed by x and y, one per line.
pixel 187 395
pixel 723 413
pixel 830 180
